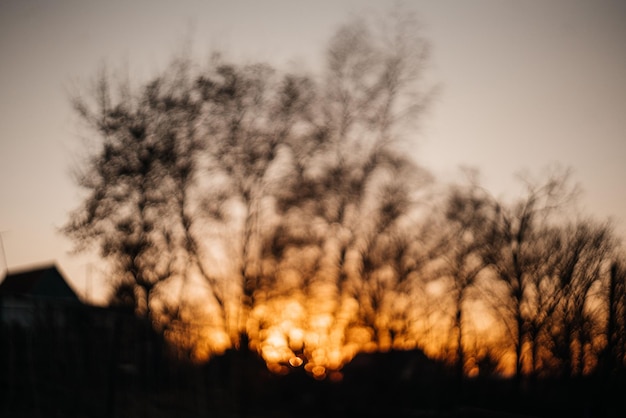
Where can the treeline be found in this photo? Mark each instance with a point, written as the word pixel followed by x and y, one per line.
pixel 239 205
pixel 551 280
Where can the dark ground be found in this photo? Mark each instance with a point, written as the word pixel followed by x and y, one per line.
pixel 105 365
pixel 238 385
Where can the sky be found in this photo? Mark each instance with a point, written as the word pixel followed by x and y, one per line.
pixel 523 85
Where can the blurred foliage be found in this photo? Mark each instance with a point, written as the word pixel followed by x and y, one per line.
pixel 241 206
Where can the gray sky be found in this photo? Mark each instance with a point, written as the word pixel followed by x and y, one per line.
pixel 524 84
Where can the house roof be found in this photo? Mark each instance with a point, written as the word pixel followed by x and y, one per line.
pixel 40 282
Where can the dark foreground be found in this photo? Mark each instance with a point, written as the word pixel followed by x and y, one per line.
pixel 238 385
pixel 105 365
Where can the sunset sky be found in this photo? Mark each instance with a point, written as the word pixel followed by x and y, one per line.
pixel 524 84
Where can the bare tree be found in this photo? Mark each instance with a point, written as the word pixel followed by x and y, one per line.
pixel 230 162
pixel 167 159
pixel 375 77
pixel 575 325
pixel 469 217
pixel 515 252
pixel 550 273
pixel 614 357
pixel 543 296
pixel 137 176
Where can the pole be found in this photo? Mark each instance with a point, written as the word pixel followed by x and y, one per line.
pixel 4 255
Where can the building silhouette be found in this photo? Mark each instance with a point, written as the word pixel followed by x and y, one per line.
pixel 29 294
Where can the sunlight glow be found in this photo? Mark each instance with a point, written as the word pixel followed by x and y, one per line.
pixel 294 331
pixel 296 361
pixel 290 334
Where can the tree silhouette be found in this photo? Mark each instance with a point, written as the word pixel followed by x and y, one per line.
pixel 515 252
pixel 575 324
pixel 352 187
pixel 283 206
pixel 469 216
pixel 139 176
pixel 215 175
pixel 614 357
pixel 546 278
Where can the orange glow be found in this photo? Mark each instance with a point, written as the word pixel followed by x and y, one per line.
pixel 319 372
pixel 295 334
pixel 296 361
pixel 297 331
pixel 296 339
